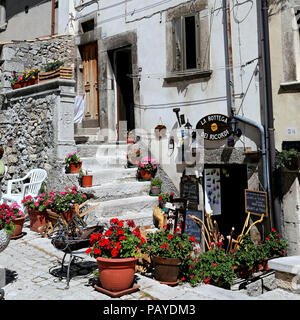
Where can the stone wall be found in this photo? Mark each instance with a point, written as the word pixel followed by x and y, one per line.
pixel 25 55
pixel 36 130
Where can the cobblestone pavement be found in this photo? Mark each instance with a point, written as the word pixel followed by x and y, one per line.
pixel 32 262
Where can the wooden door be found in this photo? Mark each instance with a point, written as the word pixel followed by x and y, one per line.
pixel 90 84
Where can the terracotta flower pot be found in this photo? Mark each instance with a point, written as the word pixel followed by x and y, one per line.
pixel 87 181
pixel 130 140
pixel 75 167
pixel 116 274
pixel 18 222
pixel 166 269
pixel 17 86
pixel 37 219
pixel 145 175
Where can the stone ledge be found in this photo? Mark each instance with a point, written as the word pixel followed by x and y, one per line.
pixel 289 264
pixel 174 77
pixel 40 88
pixel 287 87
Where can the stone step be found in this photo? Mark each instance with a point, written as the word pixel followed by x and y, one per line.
pixel 118 175
pixel 142 219
pixel 137 207
pixel 112 191
pixel 99 150
pixel 103 162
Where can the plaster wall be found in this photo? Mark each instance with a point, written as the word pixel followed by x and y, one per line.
pixel 156 97
pixel 284 42
pixel 21 25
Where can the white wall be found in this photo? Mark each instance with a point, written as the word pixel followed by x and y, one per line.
pixel 197 98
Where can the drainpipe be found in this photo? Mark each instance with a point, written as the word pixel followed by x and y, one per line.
pixel 263 147
pixel 269 117
pixel 230 92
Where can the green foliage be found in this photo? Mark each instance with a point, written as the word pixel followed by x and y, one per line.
pixel 245 255
pixel 213 266
pixel 275 245
pixel 53 65
pixel 166 245
pixel 285 157
pixel 156 182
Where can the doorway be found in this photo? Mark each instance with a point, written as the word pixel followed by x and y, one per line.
pixel 89 54
pixel 121 61
pixel 225 188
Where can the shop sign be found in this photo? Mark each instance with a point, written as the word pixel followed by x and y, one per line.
pixel 215 127
pixel 256 202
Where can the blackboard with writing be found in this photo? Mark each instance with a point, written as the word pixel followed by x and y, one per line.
pixel 189 188
pixel 256 202
pixel 191 227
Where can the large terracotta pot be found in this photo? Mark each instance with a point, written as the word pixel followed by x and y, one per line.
pixel 116 274
pixel 166 269
pixel 75 167
pixel 37 219
pixel 4 239
pixel 87 181
pixel 145 175
pixel 18 222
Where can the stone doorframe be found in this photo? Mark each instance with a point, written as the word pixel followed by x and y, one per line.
pixel 107 103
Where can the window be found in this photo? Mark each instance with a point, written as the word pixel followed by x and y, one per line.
pixel 88 25
pixel 186 43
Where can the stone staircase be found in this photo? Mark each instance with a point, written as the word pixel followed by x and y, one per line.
pixel 115 187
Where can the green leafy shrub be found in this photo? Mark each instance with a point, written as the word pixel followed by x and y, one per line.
pixel 53 65
pixel 211 267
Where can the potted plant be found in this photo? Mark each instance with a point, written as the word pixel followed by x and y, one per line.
pixel 63 202
pixel 211 267
pixel 6 225
pixel 163 198
pixel 155 188
pixel 18 220
pixel 275 245
pixel 73 162
pixel 54 65
pixel 147 168
pixel 289 159
pixel 14 80
pixel 37 210
pixel 86 178
pixel 168 252
pixel 133 157
pixel 55 70
pixel 244 257
pixel 116 252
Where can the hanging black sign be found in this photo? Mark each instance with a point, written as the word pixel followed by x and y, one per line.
pixel 215 127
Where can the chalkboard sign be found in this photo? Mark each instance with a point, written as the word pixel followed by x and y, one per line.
pixel 256 202
pixel 191 227
pixel 189 189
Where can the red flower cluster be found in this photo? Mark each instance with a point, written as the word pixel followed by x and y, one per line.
pixel 122 239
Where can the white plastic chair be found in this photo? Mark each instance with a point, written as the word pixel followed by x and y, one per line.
pixel 36 176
